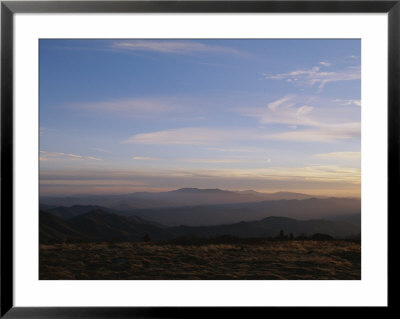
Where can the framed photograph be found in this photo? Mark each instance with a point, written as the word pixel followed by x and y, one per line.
pixel 187 158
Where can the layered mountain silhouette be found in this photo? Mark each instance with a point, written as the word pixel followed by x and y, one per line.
pixel 176 198
pixel 195 212
pixel 271 227
pixel 203 207
pixel 203 215
pixel 75 210
pixel 54 229
pixel 98 225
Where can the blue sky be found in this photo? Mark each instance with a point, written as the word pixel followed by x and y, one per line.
pixel 119 116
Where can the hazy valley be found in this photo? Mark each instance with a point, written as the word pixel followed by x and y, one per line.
pixel 337 217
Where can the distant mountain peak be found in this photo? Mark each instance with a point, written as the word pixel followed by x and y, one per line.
pixel 186 189
pixel 249 191
pixel 287 193
pixel 277 218
pixel 197 190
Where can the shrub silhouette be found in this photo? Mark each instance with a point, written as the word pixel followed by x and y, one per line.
pixel 282 235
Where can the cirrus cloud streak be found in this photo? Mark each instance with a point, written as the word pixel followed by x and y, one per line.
pixel 182 47
pixel 316 76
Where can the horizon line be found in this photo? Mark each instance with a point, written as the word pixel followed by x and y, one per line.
pixel 200 189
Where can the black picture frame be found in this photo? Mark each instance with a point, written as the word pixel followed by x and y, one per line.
pixel 9 8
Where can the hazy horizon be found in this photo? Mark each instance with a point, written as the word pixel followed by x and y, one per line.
pixel 199 189
pixel 125 116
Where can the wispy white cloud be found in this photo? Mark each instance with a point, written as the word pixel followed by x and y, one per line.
pixel 316 76
pixel 328 133
pixel 317 172
pixel 173 47
pixel 340 155
pixel 185 136
pixel 208 136
pixel 144 158
pixel 325 63
pixel 348 102
pixel 212 161
pixel 236 150
pixel 307 123
pixel 332 179
pixel 51 156
pixel 273 105
pixel 303 122
pixel 283 111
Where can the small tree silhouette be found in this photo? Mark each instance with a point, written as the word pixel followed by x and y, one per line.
pixel 281 234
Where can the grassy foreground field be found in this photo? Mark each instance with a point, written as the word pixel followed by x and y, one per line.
pixel 146 261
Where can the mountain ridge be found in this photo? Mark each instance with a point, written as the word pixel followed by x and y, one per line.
pixel 204 215
pixel 98 225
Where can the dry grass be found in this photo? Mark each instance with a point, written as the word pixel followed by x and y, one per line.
pixel 151 261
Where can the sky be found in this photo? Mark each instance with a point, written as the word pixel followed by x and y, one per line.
pixel 122 115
